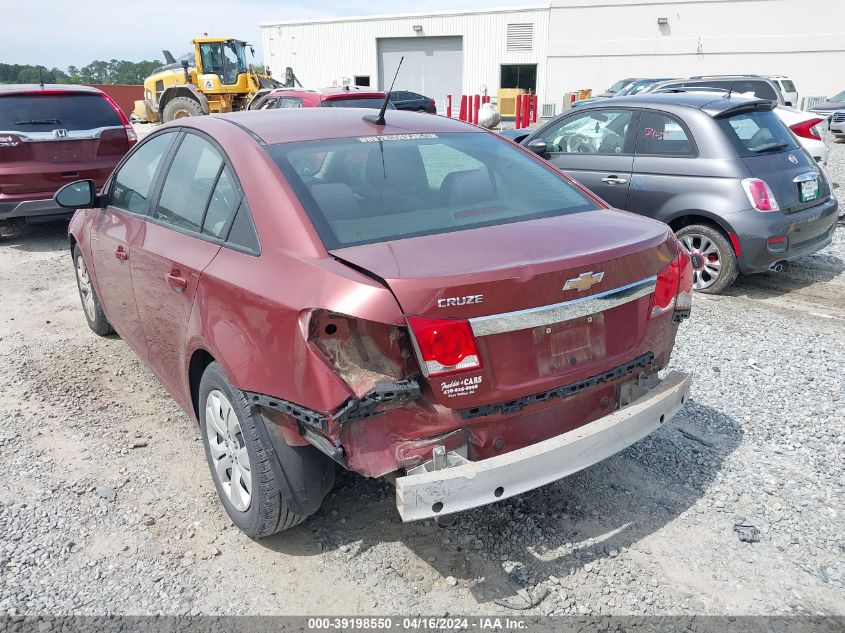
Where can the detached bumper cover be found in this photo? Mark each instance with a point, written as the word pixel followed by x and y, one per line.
pixel 472 484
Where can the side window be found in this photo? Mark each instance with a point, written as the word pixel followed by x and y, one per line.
pixel 593 132
pixel 268 103
pixel 289 102
pixel 224 201
pixel 243 232
pixel 189 183
pixel 663 134
pixel 133 181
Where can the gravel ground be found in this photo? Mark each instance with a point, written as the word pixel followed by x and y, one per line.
pixel 107 507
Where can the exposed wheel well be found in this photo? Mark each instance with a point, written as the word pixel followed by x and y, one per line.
pixel 200 359
pixel 685 220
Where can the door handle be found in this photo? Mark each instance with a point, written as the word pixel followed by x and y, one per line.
pixel 176 281
pixel 614 180
pixel 121 254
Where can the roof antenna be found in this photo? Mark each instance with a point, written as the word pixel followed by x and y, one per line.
pixel 730 89
pixel 379 120
pixel 40 77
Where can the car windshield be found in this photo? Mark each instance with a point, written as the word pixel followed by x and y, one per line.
pixel 352 102
pixel 757 132
pixel 839 97
pixel 380 188
pixel 47 112
pixel 619 85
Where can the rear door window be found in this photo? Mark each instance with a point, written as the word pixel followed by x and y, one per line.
pixel 47 112
pixel 408 185
pixel 592 132
pixel 662 134
pixel 757 132
pixel 132 182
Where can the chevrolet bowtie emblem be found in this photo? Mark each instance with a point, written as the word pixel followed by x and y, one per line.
pixel 584 281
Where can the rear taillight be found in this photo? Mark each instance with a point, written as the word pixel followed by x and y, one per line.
pixel 130 131
pixel 807 129
pixel 760 195
pixel 674 286
pixel 445 345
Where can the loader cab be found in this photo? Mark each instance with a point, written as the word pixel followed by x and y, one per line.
pixel 221 63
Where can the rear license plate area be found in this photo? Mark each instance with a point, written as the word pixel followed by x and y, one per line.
pixel 569 345
pixel 808 190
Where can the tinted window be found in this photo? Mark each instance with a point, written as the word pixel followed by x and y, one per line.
pixel 45 113
pixel 289 102
pixel 839 97
pixel 420 184
pixel 757 132
pixel 189 183
pixel 592 132
pixel 355 103
pixel 662 134
pixel 243 232
pixel 758 88
pixel 221 207
pixel 267 103
pixel 788 85
pixel 133 180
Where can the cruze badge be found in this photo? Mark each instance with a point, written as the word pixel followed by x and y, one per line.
pixel 584 281
pixel 792 159
pixel 459 301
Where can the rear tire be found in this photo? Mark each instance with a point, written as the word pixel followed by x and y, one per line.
pixel 181 107
pixel 91 307
pixel 714 261
pixel 234 437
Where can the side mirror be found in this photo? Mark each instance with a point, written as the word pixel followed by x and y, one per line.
pixel 538 146
pixel 81 194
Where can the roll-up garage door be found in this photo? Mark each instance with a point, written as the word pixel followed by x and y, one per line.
pixel 433 66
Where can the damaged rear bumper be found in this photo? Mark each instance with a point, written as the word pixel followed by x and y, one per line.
pixel 456 484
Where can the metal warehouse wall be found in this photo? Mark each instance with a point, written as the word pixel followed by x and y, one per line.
pixel 596 42
pixel 323 51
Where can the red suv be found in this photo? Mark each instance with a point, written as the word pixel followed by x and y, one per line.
pixel 339 97
pixel 421 300
pixel 51 135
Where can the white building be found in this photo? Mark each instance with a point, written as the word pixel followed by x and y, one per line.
pixel 567 45
pixel 454 52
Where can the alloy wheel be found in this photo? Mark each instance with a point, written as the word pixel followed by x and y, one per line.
pixel 85 289
pixel 228 450
pixel 706 259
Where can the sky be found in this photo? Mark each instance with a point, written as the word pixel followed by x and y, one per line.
pixel 58 33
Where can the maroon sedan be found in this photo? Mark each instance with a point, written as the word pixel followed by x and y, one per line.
pixel 51 135
pixel 422 300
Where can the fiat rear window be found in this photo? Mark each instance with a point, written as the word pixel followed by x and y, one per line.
pixel 380 188
pixel 756 132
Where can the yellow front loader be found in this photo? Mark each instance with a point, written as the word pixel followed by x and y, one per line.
pixel 215 77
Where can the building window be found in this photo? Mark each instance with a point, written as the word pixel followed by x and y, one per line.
pixel 362 80
pixel 520 37
pixel 519 76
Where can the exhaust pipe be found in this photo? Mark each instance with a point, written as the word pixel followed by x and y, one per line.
pixel 776 267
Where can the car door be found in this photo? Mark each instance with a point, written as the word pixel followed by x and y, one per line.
pixel 663 166
pixel 194 204
pixel 117 226
pixel 594 146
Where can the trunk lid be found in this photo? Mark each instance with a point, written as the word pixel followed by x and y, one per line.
pixel 785 172
pixel 498 270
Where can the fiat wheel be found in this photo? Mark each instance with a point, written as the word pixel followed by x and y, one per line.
pixel 714 264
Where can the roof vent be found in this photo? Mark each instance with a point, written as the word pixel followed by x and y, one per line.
pixel 520 37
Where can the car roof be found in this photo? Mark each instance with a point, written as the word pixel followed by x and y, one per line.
pixel 6 89
pixel 332 92
pixel 306 124
pixel 713 103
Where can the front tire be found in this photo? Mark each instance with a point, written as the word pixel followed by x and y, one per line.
pixel 91 307
pixel 181 107
pixel 714 262
pixel 235 438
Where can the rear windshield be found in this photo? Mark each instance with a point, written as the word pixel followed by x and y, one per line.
pixel 757 88
pixel 42 113
pixel 374 102
pixel 374 189
pixel 757 132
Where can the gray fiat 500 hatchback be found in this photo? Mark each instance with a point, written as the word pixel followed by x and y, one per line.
pixel 723 171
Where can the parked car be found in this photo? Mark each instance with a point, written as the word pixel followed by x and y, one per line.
pixel 619 85
pixel 407 100
pixel 335 97
pixel 420 299
pixel 837 125
pixel 760 87
pixel 634 86
pixel 724 172
pixel 787 89
pixel 51 135
pixel 810 130
pixel 834 110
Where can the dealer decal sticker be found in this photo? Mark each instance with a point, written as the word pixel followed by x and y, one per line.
pixel 461 387
pixel 395 137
